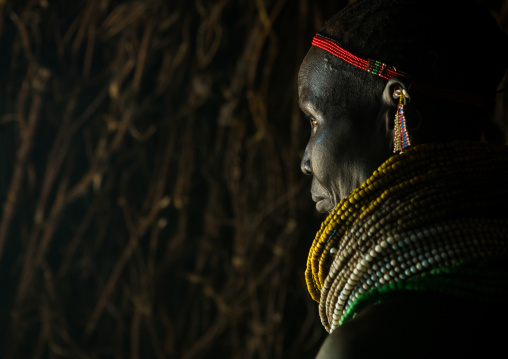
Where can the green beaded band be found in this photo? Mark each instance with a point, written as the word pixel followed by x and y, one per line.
pixel 376 67
pixel 472 280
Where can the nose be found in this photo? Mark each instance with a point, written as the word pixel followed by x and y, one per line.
pixel 305 164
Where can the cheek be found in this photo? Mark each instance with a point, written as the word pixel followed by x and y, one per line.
pixel 326 157
pixel 339 158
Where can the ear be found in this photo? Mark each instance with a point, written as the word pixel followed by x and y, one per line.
pixel 391 94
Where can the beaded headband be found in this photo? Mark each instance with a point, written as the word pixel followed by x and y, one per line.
pixel 386 72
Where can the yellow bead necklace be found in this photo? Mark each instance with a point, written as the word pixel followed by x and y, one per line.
pixel 432 206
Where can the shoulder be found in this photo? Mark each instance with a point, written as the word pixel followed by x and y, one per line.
pixel 417 326
pixel 385 330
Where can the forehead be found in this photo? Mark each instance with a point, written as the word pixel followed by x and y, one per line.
pixel 317 65
pixel 319 77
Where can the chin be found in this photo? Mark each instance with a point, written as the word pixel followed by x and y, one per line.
pixel 324 206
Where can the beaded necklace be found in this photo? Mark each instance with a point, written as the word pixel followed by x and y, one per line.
pixel 433 207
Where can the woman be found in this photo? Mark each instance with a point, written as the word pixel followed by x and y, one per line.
pixel 411 261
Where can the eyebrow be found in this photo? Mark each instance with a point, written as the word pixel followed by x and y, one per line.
pixel 309 108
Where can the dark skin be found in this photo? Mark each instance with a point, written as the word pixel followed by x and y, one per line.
pixel 352 124
pixel 350 131
pixel 344 148
pixel 351 135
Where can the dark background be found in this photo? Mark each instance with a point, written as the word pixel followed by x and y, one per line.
pixel 152 201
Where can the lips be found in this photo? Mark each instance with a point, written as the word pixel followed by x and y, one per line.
pixel 322 204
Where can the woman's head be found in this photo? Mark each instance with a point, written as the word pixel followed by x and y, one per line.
pixel 351 110
pixel 450 43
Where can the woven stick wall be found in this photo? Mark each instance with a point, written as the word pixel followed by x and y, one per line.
pixel 153 205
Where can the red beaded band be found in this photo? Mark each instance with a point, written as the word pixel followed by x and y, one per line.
pixel 386 72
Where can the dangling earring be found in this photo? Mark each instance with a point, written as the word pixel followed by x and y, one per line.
pixel 401 140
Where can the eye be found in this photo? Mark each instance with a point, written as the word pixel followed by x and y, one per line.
pixel 313 122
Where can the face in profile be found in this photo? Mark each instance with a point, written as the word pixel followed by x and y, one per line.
pixel 348 134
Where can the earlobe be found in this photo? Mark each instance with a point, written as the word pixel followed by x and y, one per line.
pixel 392 90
